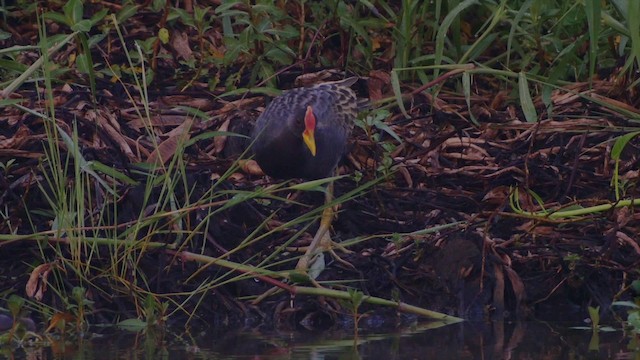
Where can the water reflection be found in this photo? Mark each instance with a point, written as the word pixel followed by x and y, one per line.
pixel 468 340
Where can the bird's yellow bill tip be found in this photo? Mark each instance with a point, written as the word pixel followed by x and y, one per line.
pixel 309 140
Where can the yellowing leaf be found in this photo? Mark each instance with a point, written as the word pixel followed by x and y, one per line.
pixel 163 35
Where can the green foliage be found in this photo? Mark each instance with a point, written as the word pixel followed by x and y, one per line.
pixel 528 108
pixel 540 38
pixel 81 305
pixel 6 166
pixel 364 32
pixel 633 314
pixel 375 128
pixel 20 330
pixel 91 234
pixel 15 304
pixel 356 298
pixel 257 34
pixel 72 16
pixel 633 308
pixel 375 120
pixel 154 316
pixel 616 152
pixel 594 315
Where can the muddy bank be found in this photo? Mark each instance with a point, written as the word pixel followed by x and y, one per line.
pixel 487 183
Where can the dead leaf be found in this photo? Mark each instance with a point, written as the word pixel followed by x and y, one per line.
pixel 240 104
pixel 167 148
pixel 17 140
pixel 316 77
pixel 497 196
pixel 517 286
pixel 37 283
pixel 626 239
pixel 60 320
pixel 180 43
pixel 378 82
pixel 219 141
pixel 200 103
pixel 251 167
pixel 108 122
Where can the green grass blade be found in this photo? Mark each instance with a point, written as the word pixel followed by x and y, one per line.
pixel 593 9
pixel 397 92
pixel 526 103
pixel 466 88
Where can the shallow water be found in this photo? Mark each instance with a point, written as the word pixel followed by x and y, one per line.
pixel 467 340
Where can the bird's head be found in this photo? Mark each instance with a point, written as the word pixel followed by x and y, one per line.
pixel 308 135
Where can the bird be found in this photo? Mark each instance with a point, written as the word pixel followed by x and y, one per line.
pixel 303 133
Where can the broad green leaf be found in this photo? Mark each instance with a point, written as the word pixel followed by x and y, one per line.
pixel 82 64
pixel 621 143
pixel 163 35
pixel 12 66
pixel 134 325
pixel 225 6
pixel 57 17
pixel 126 12
pixel 73 10
pixel 97 17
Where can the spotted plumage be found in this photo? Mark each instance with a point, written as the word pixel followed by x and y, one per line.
pixel 278 142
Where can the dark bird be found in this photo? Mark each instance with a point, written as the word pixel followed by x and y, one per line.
pixel 303 132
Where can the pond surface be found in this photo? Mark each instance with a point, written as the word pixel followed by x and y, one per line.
pixel 467 340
